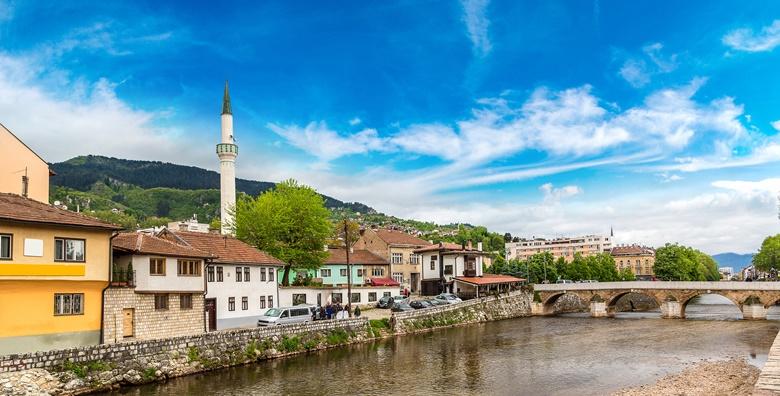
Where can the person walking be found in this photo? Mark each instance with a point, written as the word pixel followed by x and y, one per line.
pixel 357 311
pixel 328 311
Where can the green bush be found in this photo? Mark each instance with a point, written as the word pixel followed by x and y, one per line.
pixel 291 344
pixel 82 370
pixel 193 354
pixel 337 336
pixel 379 323
pixel 149 373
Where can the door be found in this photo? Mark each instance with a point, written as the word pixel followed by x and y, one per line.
pixel 127 322
pixel 415 282
pixel 211 313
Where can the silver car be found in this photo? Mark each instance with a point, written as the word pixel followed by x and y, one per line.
pixel 286 315
pixel 449 298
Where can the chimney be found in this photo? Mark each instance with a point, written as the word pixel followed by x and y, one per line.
pixel 469 246
pixel 325 248
pixel 183 227
pixel 479 246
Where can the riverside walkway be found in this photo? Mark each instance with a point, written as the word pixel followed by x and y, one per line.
pixel 752 298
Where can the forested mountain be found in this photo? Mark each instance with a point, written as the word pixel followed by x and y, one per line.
pixel 81 174
pixel 735 260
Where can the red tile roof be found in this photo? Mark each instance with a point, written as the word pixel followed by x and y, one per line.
pixel 141 243
pixel 227 249
pixel 450 248
pixel 357 256
pixel 392 237
pixel 384 282
pixel 18 208
pixel 488 279
pixel 632 250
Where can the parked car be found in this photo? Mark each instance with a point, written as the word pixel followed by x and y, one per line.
pixel 385 302
pixel 434 302
pixel 420 304
pixel 449 298
pixel 401 307
pixel 564 281
pixel 286 315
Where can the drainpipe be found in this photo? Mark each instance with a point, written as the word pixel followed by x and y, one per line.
pixel 110 276
pixel 208 263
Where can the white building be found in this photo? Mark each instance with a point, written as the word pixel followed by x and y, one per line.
pixel 241 281
pixel 227 151
pixel 452 268
pixel 188 225
pixel 320 296
pixel 586 245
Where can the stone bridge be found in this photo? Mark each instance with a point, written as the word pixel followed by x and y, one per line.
pixel 752 298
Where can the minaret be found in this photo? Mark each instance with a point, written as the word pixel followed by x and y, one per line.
pixel 227 151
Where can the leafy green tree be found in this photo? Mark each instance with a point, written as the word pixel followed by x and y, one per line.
pixel 289 222
pixel 215 225
pixel 626 275
pixel 768 256
pixel 683 263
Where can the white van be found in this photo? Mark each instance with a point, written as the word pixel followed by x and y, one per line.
pixel 285 315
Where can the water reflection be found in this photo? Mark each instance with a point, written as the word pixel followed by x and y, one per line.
pixel 554 356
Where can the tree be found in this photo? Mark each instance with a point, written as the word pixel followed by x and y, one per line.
pixel 289 222
pixel 507 237
pixel 683 263
pixel 768 257
pixel 626 275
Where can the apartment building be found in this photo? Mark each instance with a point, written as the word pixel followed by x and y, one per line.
pixel 398 248
pixel 156 289
pixel 586 245
pixel 639 259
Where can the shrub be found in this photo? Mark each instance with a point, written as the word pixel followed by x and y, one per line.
pixel 193 354
pixel 290 344
pixel 379 323
pixel 337 336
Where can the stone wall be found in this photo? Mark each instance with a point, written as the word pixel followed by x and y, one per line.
pixel 149 323
pixel 80 370
pixel 505 306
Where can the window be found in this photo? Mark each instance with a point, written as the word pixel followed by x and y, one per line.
pixel 377 271
pixel 219 274
pixel 414 259
pixel 262 302
pixel 68 249
pixel 433 263
pixel 69 304
pixel 448 269
pixel 355 298
pixel 157 266
pixel 324 273
pixel 246 274
pixel 189 268
pixel 262 274
pixel 360 272
pixel 335 297
pixel 160 301
pixel 386 294
pixel 298 299
pixel 371 296
pixel 396 258
pixel 210 274
pixel 5 246
pixel 270 301
pixel 244 303
pixel 239 270
pixel 343 272
pixel 270 274
pixel 231 303
pixel 185 301
pixel 398 277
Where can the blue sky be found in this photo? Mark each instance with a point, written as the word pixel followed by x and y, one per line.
pixel 658 119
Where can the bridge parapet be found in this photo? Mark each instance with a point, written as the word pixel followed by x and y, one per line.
pixel 661 285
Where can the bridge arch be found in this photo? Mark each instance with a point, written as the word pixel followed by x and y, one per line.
pixel 613 300
pixel 548 304
pixel 727 295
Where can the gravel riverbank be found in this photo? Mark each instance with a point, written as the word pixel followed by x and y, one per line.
pixel 730 377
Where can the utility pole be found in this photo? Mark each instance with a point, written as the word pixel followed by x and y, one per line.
pixel 349 268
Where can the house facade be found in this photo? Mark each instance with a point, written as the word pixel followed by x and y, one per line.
pixel 639 259
pixel 24 172
pixel 54 265
pixel 156 290
pixel 365 265
pixel 241 281
pixel 398 248
pixel 452 268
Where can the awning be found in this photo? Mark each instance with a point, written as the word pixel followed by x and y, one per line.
pixel 384 282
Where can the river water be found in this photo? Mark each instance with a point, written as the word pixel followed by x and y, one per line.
pixel 565 355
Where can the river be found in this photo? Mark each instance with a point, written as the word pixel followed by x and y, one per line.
pixel 570 354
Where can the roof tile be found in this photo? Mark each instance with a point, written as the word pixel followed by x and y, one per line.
pixel 18 208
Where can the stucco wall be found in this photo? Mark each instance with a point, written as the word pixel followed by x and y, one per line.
pixel 14 158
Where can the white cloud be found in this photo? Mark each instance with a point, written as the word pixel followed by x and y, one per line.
pixel 477 23
pixel 326 144
pixel 638 72
pixel 766 153
pixel 776 125
pixel 553 194
pixel 745 39
pixel 354 121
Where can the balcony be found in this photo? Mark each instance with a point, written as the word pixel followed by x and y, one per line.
pixel 123 278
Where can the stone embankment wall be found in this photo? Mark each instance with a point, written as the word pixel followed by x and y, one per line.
pixel 505 306
pixel 86 369
pixel 769 380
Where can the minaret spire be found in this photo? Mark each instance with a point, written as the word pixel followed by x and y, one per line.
pixel 226 101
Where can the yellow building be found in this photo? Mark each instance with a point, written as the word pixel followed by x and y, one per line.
pixel 54 266
pixel 639 259
pixel 22 171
